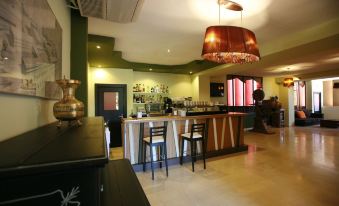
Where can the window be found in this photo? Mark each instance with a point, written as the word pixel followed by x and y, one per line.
pixel 299 94
pixel 240 89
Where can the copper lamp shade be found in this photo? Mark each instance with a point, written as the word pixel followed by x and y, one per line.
pixel 288 82
pixel 230 44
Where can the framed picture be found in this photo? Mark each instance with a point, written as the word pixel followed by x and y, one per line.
pixel 30 49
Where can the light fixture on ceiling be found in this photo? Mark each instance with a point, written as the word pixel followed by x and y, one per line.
pixel 288 81
pixel 98 46
pixel 150 69
pixel 230 44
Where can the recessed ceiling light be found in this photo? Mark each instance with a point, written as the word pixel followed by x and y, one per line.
pixel 99 66
pixel 168 51
pixel 5 58
pixel 150 69
pixel 98 46
pixel 191 72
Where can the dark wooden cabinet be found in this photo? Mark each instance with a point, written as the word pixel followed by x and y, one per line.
pixel 48 165
pixel 277 118
pixel 66 166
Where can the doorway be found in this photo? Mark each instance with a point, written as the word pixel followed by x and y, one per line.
pixel 317 102
pixel 111 103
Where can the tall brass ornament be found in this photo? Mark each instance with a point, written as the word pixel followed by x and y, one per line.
pixel 68 108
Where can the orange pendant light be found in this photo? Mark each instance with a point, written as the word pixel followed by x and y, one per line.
pixel 230 44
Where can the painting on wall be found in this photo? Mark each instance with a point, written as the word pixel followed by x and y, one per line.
pixel 30 48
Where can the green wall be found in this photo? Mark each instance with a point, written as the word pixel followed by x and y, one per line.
pixel 78 70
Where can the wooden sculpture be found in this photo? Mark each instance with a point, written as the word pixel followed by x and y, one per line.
pixel 261 112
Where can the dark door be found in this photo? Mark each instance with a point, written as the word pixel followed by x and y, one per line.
pixel 317 102
pixel 111 103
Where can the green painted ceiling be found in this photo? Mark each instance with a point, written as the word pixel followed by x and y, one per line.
pixel 106 57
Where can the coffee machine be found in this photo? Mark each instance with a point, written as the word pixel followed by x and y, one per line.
pixel 167 105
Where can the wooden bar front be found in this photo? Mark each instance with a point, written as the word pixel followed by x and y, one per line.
pixel 225 131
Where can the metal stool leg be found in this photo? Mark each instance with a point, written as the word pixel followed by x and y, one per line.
pixel 165 150
pixel 182 150
pixel 192 158
pixel 144 157
pixel 203 152
pixel 161 155
pixel 151 154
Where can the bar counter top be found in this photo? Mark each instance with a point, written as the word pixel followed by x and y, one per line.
pixel 172 117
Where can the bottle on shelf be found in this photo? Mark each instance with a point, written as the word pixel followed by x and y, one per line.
pixel 157 89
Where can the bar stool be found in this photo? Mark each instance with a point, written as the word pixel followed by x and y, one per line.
pixel 197 134
pixel 157 138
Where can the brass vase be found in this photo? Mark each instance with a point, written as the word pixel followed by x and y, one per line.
pixel 68 108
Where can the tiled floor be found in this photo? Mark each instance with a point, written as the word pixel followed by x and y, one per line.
pixel 295 166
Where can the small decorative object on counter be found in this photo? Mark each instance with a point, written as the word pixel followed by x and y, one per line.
pixel 68 108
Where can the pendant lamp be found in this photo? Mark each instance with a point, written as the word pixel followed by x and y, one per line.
pixel 288 82
pixel 230 44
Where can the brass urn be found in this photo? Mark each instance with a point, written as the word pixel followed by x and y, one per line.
pixel 68 108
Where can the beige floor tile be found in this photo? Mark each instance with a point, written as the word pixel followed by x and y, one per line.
pixel 295 166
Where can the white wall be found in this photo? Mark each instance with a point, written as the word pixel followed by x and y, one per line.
pixel 335 94
pixel 309 95
pixel 270 87
pixel 331 112
pixel 22 113
pixel 328 93
pixel 195 89
pixel 331 100
pixel 204 88
pixel 286 98
pixel 317 86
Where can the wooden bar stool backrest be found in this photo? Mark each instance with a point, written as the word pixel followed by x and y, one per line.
pixel 158 131
pixel 198 128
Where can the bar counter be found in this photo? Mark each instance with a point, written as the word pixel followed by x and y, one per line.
pixel 224 134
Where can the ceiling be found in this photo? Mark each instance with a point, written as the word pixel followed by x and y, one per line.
pixel 106 57
pixel 171 33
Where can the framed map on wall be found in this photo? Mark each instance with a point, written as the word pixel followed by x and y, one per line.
pixel 30 48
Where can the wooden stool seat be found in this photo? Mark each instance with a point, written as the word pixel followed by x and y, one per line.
pixel 195 135
pixel 155 139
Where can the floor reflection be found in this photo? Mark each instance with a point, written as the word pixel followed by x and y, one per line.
pixel 294 166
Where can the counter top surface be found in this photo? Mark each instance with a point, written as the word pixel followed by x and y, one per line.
pixel 171 117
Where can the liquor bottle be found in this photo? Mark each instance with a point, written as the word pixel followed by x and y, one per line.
pixel 152 89
pixel 157 89
pixel 143 88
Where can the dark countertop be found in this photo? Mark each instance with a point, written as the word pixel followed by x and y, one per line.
pixel 49 148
